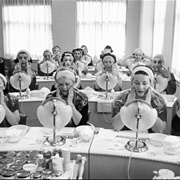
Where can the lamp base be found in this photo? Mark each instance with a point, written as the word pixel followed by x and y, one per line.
pixel 59 141
pixel 136 146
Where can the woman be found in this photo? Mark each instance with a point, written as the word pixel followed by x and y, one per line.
pixel 137 58
pixel 79 61
pixel 141 81
pixel 23 63
pixel 67 61
pixel 99 63
pixel 86 56
pixel 47 57
pixel 158 67
pixel 56 50
pixel 110 66
pixel 65 79
pixel 10 104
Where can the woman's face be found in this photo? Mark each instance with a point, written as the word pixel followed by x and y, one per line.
pixel 47 56
pixel 157 62
pixel 68 61
pixel 23 60
pixel 141 83
pixel 138 55
pixel 108 62
pixel 77 55
pixel 64 84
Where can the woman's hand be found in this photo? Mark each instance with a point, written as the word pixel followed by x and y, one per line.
pixel 70 96
pixel 131 96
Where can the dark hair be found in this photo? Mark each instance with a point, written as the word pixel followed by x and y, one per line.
pixel 77 49
pixel 56 47
pixel 109 47
pixel 65 53
pixel 109 54
pixel 141 72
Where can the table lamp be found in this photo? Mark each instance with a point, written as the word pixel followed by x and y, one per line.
pixel 106 81
pixel 54 113
pixel 47 67
pixel 2 113
pixel 20 81
pixel 138 116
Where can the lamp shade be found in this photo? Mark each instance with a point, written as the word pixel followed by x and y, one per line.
pixel 161 83
pixel 47 67
pixel 46 110
pixel 20 77
pixel 129 115
pixel 2 113
pixel 108 78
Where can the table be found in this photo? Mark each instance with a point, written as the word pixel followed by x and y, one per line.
pixel 35 136
pixel 110 160
pixel 85 82
pixel 45 82
pixel 106 156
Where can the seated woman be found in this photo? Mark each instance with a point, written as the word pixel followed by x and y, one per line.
pixel 56 50
pixel 10 104
pixel 23 63
pixel 110 66
pixel 47 57
pixel 99 63
pixel 137 58
pixel 65 79
pixel 80 63
pixel 158 68
pixel 141 81
pixel 86 56
pixel 67 60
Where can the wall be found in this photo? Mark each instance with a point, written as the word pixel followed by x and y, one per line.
pixel 64 23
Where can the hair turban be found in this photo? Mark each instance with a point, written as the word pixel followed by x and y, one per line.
pixel 65 73
pixel 20 52
pixel 3 79
pixel 109 54
pixel 146 70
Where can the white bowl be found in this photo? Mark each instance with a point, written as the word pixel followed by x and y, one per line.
pixel 85 132
pixel 157 138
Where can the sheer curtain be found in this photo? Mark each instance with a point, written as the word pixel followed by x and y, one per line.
pixel 27 25
pixel 159 25
pixel 101 23
pixel 176 51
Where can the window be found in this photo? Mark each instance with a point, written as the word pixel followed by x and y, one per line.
pixel 101 23
pixel 176 53
pixel 159 25
pixel 27 25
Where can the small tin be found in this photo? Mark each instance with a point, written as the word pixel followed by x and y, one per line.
pixel 22 175
pixel 36 175
pixel 16 167
pixel 8 174
pixel 21 161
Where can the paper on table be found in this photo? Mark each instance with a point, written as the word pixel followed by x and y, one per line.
pixel 106 134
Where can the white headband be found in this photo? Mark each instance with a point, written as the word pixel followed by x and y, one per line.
pixel 145 69
pixel 66 74
pixel 3 79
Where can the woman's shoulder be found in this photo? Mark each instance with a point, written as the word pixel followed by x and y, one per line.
pixel 158 98
pixel 81 96
pixel 122 95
